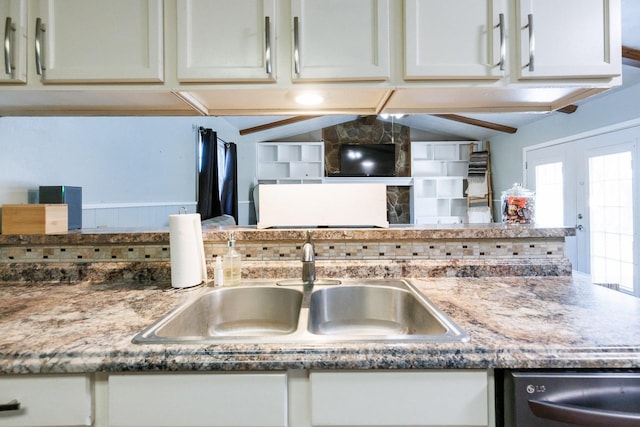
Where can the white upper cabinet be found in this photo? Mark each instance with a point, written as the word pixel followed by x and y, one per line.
pixel 97 41
pixel 454 39
pixel 13 13
pixel 569 38
pixel 340 40
pixel 222 40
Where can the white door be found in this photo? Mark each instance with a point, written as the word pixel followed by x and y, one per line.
pixel 569 38
pixel 606 205
pixel 550 173
pixel 443 43
pixel 340 40
pixel 13 14
pixel 221 40
pixel 97 41
pixel 595 183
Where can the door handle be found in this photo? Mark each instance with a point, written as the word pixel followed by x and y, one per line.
pixel 503 41
pixel 296 45
pixel 582 415
pixel 14 405
pixel 40 29
pixel 9 30
pixel 532 43
pixel 267 47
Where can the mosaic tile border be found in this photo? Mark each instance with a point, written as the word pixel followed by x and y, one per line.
pixel 285 251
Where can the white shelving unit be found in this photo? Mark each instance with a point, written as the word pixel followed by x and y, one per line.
pixel 439 170
pixel 290 162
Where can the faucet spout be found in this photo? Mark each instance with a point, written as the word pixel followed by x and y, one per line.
pixel 308 261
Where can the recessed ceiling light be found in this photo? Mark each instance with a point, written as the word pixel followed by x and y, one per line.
pixel 309 98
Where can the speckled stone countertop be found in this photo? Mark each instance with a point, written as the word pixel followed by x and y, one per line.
pixel 513 322
pixel 407 232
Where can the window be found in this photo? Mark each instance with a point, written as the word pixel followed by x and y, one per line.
pixel 611 214
pixel 549 195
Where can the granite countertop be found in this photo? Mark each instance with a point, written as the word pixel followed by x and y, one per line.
pixel 213 233
pixel 513 322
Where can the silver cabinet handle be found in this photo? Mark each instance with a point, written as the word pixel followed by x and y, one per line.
pixel 267 41
pixel 296 45
pixel 9 29
pixel 581 415
pixel 14 405
pixel 532 43
pixel 503 41
pixel 40 29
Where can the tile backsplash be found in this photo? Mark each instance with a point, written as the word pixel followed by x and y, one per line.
pixel 290 251
pixel 403 252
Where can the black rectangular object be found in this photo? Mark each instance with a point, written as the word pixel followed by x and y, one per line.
pixel 368 160
pixel 569 398
pixel 71 196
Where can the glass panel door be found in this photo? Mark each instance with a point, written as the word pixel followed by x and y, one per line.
pixel 550 172
pixel 549 194
pixel 611 228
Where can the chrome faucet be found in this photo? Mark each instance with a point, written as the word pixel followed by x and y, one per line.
pixel 308 261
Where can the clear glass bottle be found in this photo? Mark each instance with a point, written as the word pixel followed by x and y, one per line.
pixel 218 273
pixel 231 264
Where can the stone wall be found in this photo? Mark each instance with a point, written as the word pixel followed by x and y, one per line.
pixel 365 131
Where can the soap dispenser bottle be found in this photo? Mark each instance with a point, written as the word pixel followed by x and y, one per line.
pixel 231 264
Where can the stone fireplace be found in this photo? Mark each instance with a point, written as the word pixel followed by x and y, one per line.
pixel 365 131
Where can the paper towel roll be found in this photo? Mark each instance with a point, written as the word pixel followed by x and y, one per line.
pixel 188 267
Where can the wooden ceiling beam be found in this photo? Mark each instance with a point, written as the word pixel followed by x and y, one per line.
pixel 476 122
pixel 569 109
pixel 266 126
pixel 630 53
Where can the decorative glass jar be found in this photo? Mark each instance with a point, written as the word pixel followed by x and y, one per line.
pixel 518 205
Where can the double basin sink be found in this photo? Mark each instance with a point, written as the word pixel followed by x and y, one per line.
pixel 347 310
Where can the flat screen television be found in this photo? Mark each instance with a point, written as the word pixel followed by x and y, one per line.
pixel 368 160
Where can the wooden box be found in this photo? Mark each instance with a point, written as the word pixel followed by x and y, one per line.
pixel 34 219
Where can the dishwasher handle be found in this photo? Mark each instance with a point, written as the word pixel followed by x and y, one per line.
pixel 582 415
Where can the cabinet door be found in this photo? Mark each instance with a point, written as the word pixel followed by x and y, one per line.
pixel 442 43
pixel 221 40
pixel 340 40
pixel 195 400
pixel 569 38
pixel 13 14
pixel 443 398
pixel 99 41
pixel 47 400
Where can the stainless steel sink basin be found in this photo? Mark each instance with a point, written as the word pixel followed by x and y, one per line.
pixel 370 310
pixel 355 310
pixel 241 312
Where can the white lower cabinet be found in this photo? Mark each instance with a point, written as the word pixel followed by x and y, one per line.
pixel 198 399
pixel 296 398
pixel 46 400
pixel 400 398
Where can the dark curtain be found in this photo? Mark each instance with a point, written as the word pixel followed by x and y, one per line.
pixel 208 194
pixel 229 196
pixel 215 199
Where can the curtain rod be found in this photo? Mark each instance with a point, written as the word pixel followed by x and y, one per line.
pixel 217 137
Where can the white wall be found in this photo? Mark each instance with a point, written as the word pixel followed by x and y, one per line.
pixel 607 109
pixel 133 170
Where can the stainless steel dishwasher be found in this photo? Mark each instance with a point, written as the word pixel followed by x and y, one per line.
pixel 570 398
